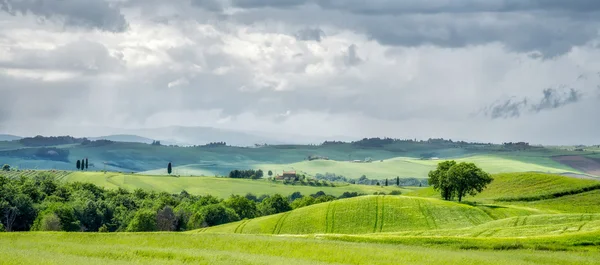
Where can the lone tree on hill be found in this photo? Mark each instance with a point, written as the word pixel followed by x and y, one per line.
pixel 459 180
pixel 169 168
pixel 78 165
pixel 270 173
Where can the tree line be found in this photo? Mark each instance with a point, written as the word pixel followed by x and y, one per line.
pixel 246 174
pixel 42 203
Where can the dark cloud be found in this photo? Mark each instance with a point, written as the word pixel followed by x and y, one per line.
pixel 310 34
pixel 97 14
pixel 552 99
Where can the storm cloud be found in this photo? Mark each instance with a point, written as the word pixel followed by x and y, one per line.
pixel 406 69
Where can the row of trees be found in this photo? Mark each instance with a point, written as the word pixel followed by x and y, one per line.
pixel 453 179
pixel 247 174
pixel 42 203
pixel 82 164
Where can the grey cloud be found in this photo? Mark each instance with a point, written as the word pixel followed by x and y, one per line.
pixel 351 58
pixel 268 3
pixel 507 109
pixel 552 99
pixel 211 5
pixel 97 14
pixel 310 34
pixel 82 56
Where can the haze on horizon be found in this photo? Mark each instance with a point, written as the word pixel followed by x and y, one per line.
pixel 481 70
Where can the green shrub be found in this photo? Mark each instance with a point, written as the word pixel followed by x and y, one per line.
pixel 50 222
pixel 103 229
pixel 143 221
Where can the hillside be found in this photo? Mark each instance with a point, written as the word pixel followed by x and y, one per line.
pixel 405 167
pixel 524 186
pixel 368 214
pixel 220 187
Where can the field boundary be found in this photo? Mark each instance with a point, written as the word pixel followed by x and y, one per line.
pixel 549 196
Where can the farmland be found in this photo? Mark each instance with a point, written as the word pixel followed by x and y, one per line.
pixel 412 167
pixel 220 187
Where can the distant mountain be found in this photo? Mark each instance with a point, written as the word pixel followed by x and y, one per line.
pixel 124 138
pixel 8 137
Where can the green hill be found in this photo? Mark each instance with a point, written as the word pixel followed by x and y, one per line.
pixel 525 186
pixel 368 214
pixel 220 187
pixel 413 167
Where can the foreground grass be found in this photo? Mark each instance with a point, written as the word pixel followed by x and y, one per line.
pixel 178 248
pixel 220 187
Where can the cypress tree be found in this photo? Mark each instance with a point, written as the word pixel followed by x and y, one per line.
pixel 82 164
pixel 398 181
pixel 78 164
pixel 386 182
pixel 169 168
pixel 86 164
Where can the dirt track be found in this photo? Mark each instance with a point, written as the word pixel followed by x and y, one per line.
pixel 583 164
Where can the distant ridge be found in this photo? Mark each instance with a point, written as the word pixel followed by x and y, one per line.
pixel 9 137
pixel 129 138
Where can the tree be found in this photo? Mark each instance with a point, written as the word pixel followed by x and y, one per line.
pixel 82 164
pixel 50 222
pixel 270 173
pixel 468 179
pixel 386 182
pixel 439 180
pixel 78 164
pixel 216 214
pixel 86 164
pixel 397 181
pixel 243 207
pixel 143 221
pixel 166 219
pixel 274 204
pixel 6 167
pixel 169 168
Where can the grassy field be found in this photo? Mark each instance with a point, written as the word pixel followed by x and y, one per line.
pixel 368 214
pixel 220 187
pixel 178 248
pixel 412 167
pixel 523 186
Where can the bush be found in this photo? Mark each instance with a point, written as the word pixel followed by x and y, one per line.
pixel 50 222
pixel 215 214
pixel 396 192
pixel 243 207
pixel 143 221
pixel 103 229
pixel 166 219
pixel 2 227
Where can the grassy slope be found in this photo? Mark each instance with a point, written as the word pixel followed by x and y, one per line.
pixel 369 214
pixel 220 187
pixel 587 202
pixel 521 185
pixel 178 248
pixel 411 167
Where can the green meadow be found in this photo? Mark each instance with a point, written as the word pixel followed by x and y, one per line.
pixel 413 167
pixel 219 187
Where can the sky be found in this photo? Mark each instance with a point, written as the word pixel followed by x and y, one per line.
pixel 479 70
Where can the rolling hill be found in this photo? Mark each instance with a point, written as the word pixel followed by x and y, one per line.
pixel 362 215
pixel 525 187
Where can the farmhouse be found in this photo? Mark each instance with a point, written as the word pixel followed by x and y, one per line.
pixel 287 175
